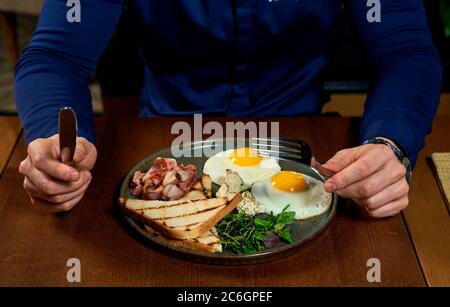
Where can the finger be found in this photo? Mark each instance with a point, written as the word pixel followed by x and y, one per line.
pixel 342 159
pixel 366 165
pixel 373 184
pixel 31 189
pixel 49 186
pixel 81 150
pixel 389 209
pixel 47 163
pixel 85 154
pixel 55 199
pixel 395 191
pixel 47 206
pixel 24 166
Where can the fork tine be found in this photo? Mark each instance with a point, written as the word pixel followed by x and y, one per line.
pixel 289 146
pixel 283 158
pixel 276 147
pixel 280 140
pixel 281 153
pixel 279 148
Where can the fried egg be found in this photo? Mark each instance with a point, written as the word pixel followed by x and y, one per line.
pixel 244 161
pixel 304 194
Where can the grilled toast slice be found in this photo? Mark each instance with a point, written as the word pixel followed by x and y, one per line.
pixel 180 219
pixel 208 242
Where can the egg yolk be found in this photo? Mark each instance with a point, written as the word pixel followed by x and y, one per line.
pixel 245 157
pixel 289 181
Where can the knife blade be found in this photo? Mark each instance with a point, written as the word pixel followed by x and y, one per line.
pixel 68 131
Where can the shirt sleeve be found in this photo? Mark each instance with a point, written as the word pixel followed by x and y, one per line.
pixel 405 93
pixel 54 69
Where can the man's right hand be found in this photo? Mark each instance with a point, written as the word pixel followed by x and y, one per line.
pixel 52 185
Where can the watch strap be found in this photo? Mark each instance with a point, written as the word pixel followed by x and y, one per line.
pixel 397 152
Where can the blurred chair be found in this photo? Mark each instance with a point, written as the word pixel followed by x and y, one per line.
pixel 8 11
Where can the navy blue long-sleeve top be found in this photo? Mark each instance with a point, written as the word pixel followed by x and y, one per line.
pixel 242 57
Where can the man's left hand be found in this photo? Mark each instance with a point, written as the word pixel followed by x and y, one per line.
pixel 372 176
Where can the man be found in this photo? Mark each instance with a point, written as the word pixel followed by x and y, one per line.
pixel 246 57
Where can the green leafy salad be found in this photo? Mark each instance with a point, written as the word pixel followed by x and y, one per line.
pixel 242 233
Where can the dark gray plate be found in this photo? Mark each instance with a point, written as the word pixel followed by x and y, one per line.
pixel 302 230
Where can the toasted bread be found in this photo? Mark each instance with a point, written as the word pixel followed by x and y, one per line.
pixel 209 242
pixel 194 195
pixel 180 219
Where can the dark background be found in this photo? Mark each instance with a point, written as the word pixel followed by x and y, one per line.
pixel 117 82
pixel 348 70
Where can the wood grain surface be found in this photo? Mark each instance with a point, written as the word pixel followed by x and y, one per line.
pixel 36 245
pixel 10 129
pixel 427 217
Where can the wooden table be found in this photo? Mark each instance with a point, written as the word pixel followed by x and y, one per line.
pixel 427 217
pixel 36 246
pixel 11 130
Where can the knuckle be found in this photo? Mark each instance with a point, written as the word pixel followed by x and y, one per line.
pixel 57 199
pixel 387 151
pixel 30 150
pixel 339 181
pixel 373 213
pixel 85 186
pixel 405 188
pixel 79 184
pixel 404 203
pixel 47 187
pixel 371 203
pixel 341 152
pixel 400 170
pixel 38 159
pixel 365 190
pixel 363 167
pixel 22 167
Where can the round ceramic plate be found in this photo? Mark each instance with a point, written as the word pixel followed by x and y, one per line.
pixel 302 230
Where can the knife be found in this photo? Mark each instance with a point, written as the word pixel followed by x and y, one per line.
pixel 68 131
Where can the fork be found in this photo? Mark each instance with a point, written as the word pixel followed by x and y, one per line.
pixel 292 150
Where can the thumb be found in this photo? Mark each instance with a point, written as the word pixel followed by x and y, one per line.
pixel 85 154
pixel 342 159
pixel 80 152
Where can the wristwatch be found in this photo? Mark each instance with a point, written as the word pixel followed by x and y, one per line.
pixel 401 156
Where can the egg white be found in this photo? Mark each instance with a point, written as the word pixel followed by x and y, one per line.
pixel 217 165
pixel 311 202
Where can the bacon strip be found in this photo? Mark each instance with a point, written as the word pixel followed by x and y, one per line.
pixel 166 179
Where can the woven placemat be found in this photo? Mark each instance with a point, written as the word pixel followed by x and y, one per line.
pixel 441 161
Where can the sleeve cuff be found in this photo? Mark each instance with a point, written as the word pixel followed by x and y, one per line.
pixel 401 132
pixel 46 128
